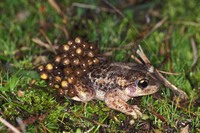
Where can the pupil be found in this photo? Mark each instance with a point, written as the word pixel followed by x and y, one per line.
pixel 143 83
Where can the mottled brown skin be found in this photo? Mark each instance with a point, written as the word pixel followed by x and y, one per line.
pixel 115 84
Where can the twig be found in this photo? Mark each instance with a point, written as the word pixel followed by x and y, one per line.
pixel 177 91
pixel 160 23
pixel 162 118
pixel 127 46
pixel 163 80
pixel 46 37
pixel 92 7
pixel 57 8
pixel 136 59
pixel 21 124
pixel 195 52
pixel 11 127
pixel 142 55
pixel 167 48
pixel 43 44
pixel 169 73
pixel 60 27
pixel 48 40
pixel 117 10
pixel 189 23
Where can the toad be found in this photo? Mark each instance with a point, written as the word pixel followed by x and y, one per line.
pixel 78 72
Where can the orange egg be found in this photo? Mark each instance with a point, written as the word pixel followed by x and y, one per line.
pixel 49 67
pixel 60 92
pixel 78 40
pixel 95 61
pixel 65 61
pixel 70 42
pixel 67 71
pixel 71 92
pixel 64 48
pixel 79 51
pixel 83 64
pixel 90 53
pixel 71 79
pixel 75 61
pixel 40 68
pixel 78 72
pixel 65 84
pixel 44 75
pixel 57 59
pixel 57 79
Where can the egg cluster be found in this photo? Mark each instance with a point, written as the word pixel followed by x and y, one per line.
pixel 73 60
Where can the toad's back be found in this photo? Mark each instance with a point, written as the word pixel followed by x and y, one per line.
pixel 109 75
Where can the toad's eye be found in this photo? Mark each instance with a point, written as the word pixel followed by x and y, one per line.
pixel 143 83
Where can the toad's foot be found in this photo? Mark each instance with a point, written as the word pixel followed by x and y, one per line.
pixel 115 101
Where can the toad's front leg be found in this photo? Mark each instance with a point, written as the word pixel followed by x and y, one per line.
pixel 116 99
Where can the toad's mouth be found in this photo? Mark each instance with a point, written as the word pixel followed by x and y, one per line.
pixel 134 90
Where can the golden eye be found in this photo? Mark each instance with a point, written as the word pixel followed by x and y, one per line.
pixel 143 83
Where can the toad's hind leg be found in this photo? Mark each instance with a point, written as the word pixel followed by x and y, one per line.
pixel 116 100
pixel 84 93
